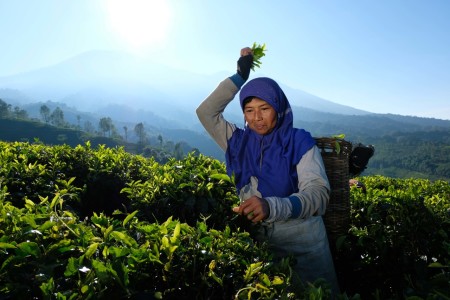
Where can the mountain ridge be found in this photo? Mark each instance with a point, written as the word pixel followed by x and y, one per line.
pixel 96 75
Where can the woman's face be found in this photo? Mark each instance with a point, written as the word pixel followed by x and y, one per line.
pixel 260 116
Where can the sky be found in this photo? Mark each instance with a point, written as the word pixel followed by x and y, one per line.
pixel 382 56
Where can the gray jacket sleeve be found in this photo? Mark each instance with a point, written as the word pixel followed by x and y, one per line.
pixel 210 112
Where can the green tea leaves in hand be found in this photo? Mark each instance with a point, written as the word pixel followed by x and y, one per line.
pixel 258 53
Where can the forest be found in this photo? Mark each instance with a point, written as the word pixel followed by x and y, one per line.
pixel 421 154
pixel 53 129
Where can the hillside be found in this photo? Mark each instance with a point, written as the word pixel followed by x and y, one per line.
pixel 363 128
pixel 35 131
pixel 401 154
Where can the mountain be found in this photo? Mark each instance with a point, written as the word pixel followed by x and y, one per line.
pixel 362 127
pixel 94 80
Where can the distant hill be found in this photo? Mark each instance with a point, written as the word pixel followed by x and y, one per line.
pixel 34 131
pixel 129 89
pixel 357 128
pixel 362 127
pixel 96 79
pixel 402 154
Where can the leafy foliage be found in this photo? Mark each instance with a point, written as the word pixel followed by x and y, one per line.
pixel 259 51
pixel 426 153
pixel 196 187
pixel 66 230
pixel 80 223
pixel 398 239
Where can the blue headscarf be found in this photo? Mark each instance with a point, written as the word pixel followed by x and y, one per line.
pixel 272 158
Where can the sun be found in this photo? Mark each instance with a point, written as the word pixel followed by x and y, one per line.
pixel 141 24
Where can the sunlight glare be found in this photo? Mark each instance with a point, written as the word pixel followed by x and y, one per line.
pixel 142 24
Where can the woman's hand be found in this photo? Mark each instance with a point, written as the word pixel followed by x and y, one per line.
pixel 255 208
pixel 245 63
pixel 246 51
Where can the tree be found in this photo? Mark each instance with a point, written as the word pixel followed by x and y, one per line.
pixel 106 125
pixel 169 146
pixel 20 113
pixel 88 127
pixel 125 128
pixel 115 134
pixel 45 113
pixel 140 132
pixel 4 109
pixel 160 139
pixel 178 151
pixel 57 117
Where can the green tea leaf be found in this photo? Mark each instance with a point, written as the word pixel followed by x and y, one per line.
pixel 165 242
pixel 72 267
pixel 176 234
pixel 117 252
pixel 7 246
pixel 265 279
pixel 29 204
pixel 339 136
pixel 120 236
pixel 91 250
pixel 277 280
pixel 47 288
pixel 252 270
pixel 337 146
pixel 258 53
pixel 84 289
pixel 101 269
pixel 129 217
pixel 29 248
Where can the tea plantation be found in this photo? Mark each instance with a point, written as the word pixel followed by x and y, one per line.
pixel 85 223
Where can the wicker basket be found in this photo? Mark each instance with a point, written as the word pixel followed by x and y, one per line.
pixel 335 154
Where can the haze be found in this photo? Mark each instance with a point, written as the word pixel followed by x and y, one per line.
pixel 378 56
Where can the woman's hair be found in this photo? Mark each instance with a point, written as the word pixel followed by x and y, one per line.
pixel 247 100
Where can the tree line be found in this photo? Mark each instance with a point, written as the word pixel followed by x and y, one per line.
pixel 410 154
pixel 146 143
pixel 400 154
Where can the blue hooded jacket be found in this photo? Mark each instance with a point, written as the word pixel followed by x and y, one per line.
pixel 272 158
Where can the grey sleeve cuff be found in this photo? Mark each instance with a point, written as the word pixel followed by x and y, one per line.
pixel 280 209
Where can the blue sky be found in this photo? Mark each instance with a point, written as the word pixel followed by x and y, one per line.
pixel 383 56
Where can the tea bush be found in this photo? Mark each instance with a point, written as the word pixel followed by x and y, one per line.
pixel 398 243
pixel 67 231
pixel 80 223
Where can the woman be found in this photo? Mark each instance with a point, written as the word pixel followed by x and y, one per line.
pixel 278 170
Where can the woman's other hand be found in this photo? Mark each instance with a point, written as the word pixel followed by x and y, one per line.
pixel 255 208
